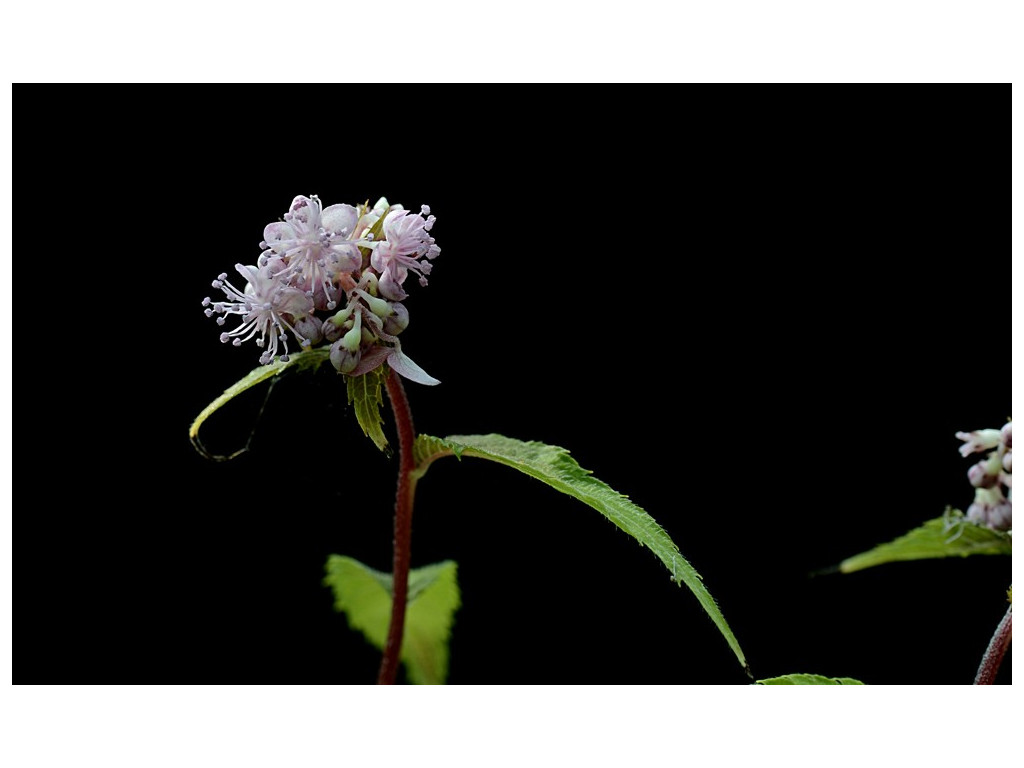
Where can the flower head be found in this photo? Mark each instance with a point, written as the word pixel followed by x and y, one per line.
pixel 992 507
pixel 347 262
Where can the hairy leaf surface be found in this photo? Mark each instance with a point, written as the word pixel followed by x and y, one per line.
pixel 555 467
pixel 799 679
pixel 947 536
pixel 364 394
pixel 364 596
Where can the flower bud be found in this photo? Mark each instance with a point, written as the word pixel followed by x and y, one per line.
pixel 985 473
pixel 334 326
pixel 398 320
pixel 1007 434
pixel 325 297
pixel 390 288
pixel 331 331
pixel 370 281
pixel 978 441
pixel 352 339
pixel 991 509
pixel 379 307
pixel 342 358
pixel 310 329
pixel 1000 518
pixel 1008 461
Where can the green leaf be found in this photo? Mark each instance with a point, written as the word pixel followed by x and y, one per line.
pixel 426 449
pixel 299 361
pixel 364 394
pixel 364 596
pixel 554 466
pixel 947 536
pixel 808 680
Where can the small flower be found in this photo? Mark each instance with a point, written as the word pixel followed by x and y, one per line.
pixel 406 241
pixel 314 245
pixel 978 441
pixel 266 306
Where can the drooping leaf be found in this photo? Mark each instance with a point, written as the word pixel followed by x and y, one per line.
pixel 947 536
pixel 364 596
pixel 554 466
pixel 808 680
pixel 365 397
pixel 299 361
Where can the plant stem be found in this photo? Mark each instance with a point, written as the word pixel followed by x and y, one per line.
pixel 996 650
pixel 403 528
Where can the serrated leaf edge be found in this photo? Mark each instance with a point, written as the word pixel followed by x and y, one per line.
pixel 428 449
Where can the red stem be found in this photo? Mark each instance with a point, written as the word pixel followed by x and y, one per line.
pixel 996 650
pixel 403 528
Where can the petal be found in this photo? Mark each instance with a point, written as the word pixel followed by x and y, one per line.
pixel 348 258
pixel 293 302
pixel 277 231
pixel 404 366
pixel 390 287
pixel 380 257
pixel 250 273
pixel 303 209
pixel 339 217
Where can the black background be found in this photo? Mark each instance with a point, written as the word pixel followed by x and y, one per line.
pixel 760 313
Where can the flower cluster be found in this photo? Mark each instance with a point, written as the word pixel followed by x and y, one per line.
pixel 332 275
pixel 992 506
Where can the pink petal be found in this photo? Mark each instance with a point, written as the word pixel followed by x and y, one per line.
pixel 339 217
pixel 279 230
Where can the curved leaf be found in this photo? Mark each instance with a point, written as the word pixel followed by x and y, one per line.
pixel 364 596
pixel 947 536
pixel 808 680
pixel 554 466
pixel 299 361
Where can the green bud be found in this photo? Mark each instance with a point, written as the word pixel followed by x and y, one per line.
pixel 352 339
pixel 371 282
pixel 341 316
pixel 379 307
